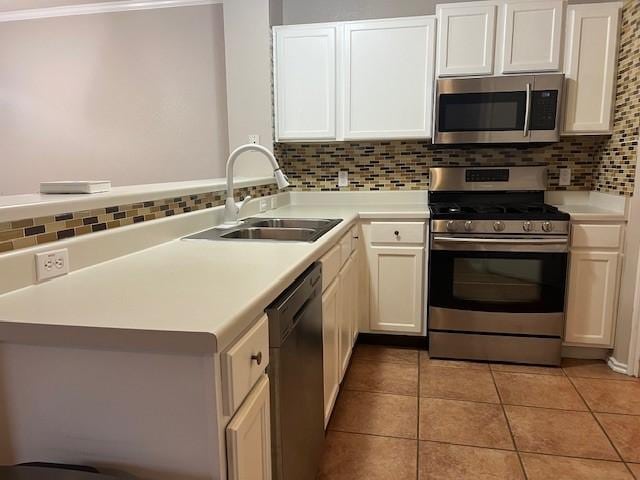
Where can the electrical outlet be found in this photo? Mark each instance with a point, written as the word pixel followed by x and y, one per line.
pixel 52 264
pixel 343 178
pixel 565 176
pixel 264 204
pixel 255 138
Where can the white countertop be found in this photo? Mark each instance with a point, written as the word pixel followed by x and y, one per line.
pixel 191 296
pixel 586 212
pixel 584 206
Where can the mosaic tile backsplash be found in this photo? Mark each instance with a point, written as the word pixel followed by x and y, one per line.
pixel 404 165
pixel 34 231
pixel 617 159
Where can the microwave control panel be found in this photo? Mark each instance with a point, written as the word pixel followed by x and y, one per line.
pixel 544 105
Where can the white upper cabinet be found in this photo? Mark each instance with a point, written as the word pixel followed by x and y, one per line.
pixel 532 35
pixel 466 35
pixel 389 78
pixel 591 50
pixel 305 82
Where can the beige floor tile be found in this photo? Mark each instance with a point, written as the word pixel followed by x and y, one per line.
pixel 610 396
pixel 376 413
pixel 558 432
pixel 506 367
pixel 398 378
pixel 546 467
pixel 635 469
pixel 439 461
pixel 349 456
pixel 624 432
pixel 379 353
pixel 574 367
pixel 426 361
pixel 538 391
pixel 466 423
pixel 458 384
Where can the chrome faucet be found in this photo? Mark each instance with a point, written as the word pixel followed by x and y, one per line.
pixel 231 207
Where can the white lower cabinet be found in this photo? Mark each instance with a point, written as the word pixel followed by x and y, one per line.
pixel 330 342
pixel 340 311
pixel 592 297
pixel 593 287
pixel 347 300
pixel 249 437
pixel 396 288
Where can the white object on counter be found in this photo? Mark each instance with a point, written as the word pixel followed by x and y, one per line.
pixel 76 186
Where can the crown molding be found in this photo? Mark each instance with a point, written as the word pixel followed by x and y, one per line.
pixel 103 7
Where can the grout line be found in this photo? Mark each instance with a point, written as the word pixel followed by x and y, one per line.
pixel 506 418
pixel 613 445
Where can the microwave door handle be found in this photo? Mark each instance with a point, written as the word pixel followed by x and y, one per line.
pixel 527 111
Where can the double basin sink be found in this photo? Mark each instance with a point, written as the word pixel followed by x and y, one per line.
pixel 276 229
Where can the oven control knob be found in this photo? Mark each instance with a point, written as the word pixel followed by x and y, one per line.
pixel 451 225
pixel 468 225
pixel 547 226
pixel 498 226
pixel 527 226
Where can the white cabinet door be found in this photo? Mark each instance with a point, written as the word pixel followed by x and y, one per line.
pixel 305 82
pixel 592 297
pixel 346 313
pixel 466 37
pixel 249 436
pixel 388 71
pixel 532 36
pixel 330 350
pixel 355 296
pixel 591 52
pixel 396 288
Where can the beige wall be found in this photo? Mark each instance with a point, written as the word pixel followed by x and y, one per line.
pixel 248 59
pixel 134 97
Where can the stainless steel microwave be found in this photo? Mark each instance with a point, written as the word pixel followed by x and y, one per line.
pixel 520 108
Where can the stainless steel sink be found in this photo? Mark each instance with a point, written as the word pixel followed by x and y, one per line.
pixel 292 223
pixel 274 229
pixel 268 233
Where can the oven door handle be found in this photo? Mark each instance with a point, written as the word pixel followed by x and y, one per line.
pixel 532 245
pixel 506 241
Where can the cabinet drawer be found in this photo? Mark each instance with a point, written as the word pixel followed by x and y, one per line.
pixel 397 232
pixel 331 263
pixel 599 236
pixel 240 367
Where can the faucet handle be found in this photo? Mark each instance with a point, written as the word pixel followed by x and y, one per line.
pixel 244 200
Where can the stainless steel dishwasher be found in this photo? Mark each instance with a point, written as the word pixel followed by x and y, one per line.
pixel 295 373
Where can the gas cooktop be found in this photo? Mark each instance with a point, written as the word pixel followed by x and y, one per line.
pixel 497 211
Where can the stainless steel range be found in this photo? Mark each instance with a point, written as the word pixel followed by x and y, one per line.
pixel 497 267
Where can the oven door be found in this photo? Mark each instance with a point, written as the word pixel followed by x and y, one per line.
pixel 498 109
pixel 498 284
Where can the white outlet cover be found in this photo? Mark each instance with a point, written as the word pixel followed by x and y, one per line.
pixel 255 139
pixel 343 178
pixel 565 176
pixel 52 264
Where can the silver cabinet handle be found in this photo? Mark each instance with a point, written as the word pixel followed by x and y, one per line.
pixel 527 110
pixel 257 357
